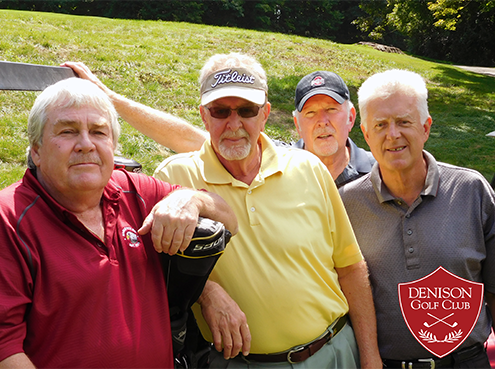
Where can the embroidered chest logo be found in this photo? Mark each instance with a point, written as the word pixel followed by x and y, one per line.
pixel 440 310
pixel 131 237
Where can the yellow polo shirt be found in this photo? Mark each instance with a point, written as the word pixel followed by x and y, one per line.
pixel 293 231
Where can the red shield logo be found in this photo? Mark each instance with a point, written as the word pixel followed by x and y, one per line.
pixel 441 310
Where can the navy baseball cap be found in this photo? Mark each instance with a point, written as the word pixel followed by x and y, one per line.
pixel 321 83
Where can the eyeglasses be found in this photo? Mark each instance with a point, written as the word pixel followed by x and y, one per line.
pixel 242 111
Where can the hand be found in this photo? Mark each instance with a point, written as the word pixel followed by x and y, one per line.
pixel 85 73
pixel 172 221
pixel 227 322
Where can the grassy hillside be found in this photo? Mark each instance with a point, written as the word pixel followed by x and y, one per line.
pixel 158 63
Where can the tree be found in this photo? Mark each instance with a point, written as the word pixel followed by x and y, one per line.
pixel 470 25
pixel 308 18
pixel 259 15
pixel 461 31
pixel 448 13
pixel 227 13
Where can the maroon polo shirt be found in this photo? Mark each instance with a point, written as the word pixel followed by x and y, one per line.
pixel 69 300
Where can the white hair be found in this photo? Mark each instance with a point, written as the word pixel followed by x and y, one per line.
pixel 384 84
pixel 71 92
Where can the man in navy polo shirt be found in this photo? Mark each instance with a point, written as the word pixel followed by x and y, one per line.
pixel 324 117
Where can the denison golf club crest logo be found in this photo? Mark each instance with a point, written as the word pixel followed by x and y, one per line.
pixel 440 310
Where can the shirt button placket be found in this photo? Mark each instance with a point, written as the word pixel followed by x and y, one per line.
pixel 410 239
pixel 250 206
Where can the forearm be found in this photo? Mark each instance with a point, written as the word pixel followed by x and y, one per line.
pixel 227 322
pixel 172 221
pixel 20 361
pixel 212 206
pixel 164 128
pixel 355 285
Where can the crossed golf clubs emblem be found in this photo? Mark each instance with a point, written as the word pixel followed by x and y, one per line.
pixel 442 320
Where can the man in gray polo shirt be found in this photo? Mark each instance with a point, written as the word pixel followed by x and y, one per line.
pixel 412 214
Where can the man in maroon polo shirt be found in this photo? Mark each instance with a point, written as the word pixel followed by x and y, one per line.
pixel 80 276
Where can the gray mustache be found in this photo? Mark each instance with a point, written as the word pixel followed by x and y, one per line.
pixel 86 160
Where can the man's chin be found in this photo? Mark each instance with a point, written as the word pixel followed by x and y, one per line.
pixel 326 151
pixel 239 152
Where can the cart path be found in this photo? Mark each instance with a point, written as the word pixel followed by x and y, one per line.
pixel 481 70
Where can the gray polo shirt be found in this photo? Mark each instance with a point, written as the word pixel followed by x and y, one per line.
pixel 451 224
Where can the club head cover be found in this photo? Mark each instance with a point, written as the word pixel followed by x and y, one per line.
pixel 207 245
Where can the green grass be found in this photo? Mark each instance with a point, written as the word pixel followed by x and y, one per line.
pixel 157 63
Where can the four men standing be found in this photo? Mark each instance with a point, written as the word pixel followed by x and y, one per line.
pixel 294 279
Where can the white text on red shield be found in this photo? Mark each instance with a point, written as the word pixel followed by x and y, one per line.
pixel 449 295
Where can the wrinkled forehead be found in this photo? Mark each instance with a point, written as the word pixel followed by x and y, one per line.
pixel 60 114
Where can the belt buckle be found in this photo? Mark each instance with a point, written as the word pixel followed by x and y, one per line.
pixel 293 351
pixel 429 360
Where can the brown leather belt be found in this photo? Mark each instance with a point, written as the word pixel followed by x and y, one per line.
pixel 301 353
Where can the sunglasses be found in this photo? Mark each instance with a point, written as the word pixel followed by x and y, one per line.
pixel 243 111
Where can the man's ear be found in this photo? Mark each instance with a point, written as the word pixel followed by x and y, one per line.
pixel 365 134
pixel 266 113
pixel 202 111
pixel 427 127
pixel 296 123
pixel 352 118
pixel 35 155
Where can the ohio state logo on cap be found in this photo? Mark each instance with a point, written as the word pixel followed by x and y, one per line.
pixel 317 81
pixel 441 310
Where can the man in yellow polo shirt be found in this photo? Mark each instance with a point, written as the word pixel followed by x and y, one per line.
pixel 294 270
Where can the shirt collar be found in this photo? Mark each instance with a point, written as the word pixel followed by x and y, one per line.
pixel 360 159
pixel 431 183
pixel 214 172
pixel 111 192
pixel 359 162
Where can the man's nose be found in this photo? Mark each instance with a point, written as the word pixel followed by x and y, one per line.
pixel 84 142
pixel 234 121
pixel 393 131
pixel 323 118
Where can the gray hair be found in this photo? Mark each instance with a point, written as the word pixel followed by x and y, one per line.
pixel 384 84
pixel 71 92
pixel 233 60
